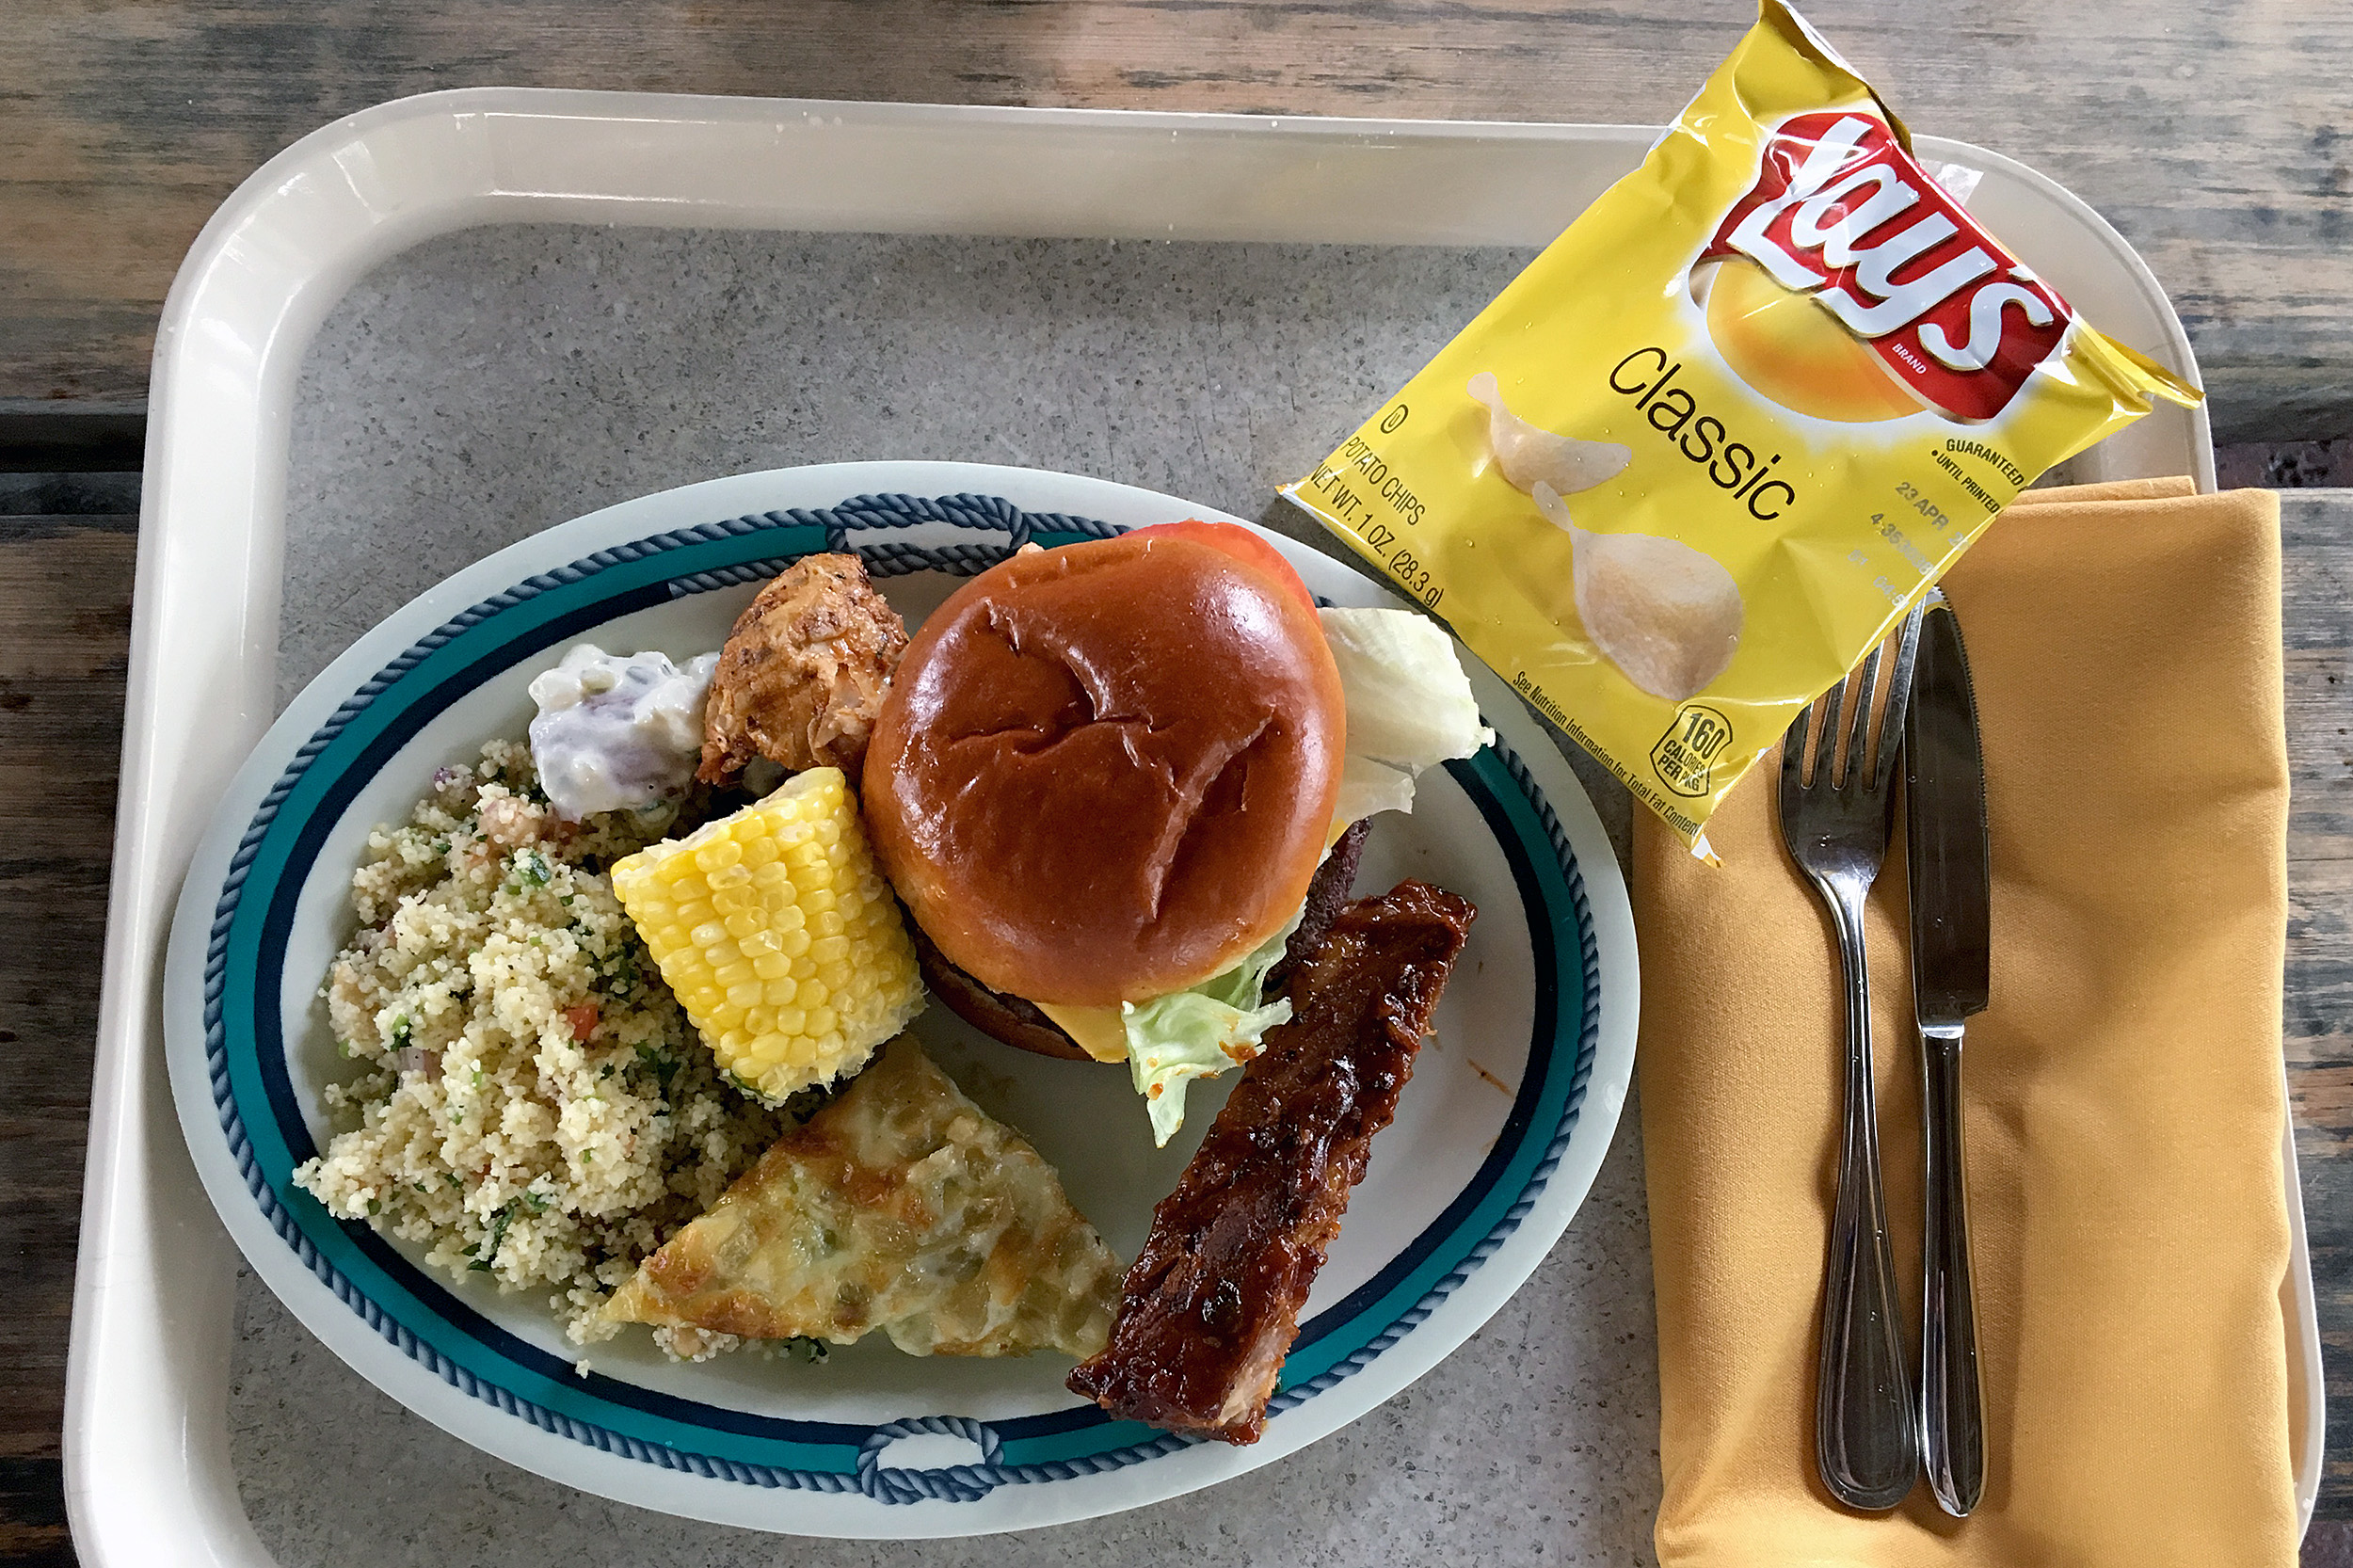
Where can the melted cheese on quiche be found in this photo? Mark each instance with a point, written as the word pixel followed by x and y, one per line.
pixel 900 1206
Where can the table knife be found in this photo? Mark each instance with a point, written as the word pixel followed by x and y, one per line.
pixel 1951 918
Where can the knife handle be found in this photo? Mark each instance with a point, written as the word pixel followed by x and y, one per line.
pixel 1952 1415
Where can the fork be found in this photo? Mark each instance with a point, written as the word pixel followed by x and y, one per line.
pixel 1867 1430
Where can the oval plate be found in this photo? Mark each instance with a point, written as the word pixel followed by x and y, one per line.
pixel 1495 1141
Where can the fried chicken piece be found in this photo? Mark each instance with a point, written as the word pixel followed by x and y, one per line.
pixel 1211 1306
pixel 803 673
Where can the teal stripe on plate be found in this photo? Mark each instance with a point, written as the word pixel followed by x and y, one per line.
pixel 453 658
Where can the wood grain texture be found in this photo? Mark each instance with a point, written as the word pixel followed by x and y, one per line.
pixel 2284 465
pixel 2316 538
pixel 2213 133
pixel 65 598
pixel 2329 1545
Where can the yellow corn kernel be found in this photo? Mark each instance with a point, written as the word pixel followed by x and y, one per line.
pixel 773 928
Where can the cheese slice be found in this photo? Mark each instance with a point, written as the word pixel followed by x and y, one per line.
pixel 900 1206
pixel 1100 1032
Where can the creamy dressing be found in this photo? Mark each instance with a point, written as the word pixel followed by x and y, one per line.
pixel 616 731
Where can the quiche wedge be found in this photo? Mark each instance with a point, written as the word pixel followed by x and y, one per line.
pixel 900 1206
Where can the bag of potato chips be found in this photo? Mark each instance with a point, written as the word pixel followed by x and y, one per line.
pixel 1705 452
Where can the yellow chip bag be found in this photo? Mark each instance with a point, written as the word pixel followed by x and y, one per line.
pixel 1704 453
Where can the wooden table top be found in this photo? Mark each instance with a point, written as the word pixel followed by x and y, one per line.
pixel 2212 133
pixel 2209 133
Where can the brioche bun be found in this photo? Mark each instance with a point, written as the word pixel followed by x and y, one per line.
pixel 1107 772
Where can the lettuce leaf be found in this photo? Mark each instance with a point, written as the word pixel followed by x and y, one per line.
pixel 1409 705
pixel 1200 1033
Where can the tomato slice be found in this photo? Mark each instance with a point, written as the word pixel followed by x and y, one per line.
pixel 1242 545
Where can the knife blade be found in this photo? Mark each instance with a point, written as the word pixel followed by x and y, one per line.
pixel 1948 854
pixel 1945 847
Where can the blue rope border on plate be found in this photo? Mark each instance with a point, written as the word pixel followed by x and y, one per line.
pixel 882 558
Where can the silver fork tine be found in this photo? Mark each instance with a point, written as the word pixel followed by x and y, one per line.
pixel 1858 726
pixel 1793 749
pixel 1826 748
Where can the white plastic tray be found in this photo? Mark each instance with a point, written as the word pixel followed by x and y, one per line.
pixel 148 1481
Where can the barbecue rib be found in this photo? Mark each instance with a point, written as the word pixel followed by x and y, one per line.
pixel 1210 1307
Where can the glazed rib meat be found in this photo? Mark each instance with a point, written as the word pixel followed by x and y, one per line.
pixel 803 673
pixel 1211 1306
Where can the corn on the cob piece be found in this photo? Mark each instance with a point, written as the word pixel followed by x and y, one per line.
pixel 778 936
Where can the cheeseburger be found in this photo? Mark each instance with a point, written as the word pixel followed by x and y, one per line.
pixel 1105 778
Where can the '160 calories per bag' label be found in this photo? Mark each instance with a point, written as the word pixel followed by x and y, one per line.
pixel 1704 453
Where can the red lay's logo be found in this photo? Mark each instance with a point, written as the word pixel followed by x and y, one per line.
pixel 1842 214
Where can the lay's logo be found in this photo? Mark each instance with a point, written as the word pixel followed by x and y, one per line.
pixel 1842 213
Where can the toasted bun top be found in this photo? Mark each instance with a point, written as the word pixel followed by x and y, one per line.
pixel 1106 772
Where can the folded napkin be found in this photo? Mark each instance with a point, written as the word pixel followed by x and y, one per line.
pixel 2122 1092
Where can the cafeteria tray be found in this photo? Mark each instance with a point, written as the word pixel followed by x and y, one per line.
pixel 150 1474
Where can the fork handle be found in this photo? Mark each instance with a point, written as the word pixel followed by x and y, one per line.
pixel 1867 1429
pixel 1952 1417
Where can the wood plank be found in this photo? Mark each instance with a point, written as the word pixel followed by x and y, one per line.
pixel 2316 540
pixel 65 596
pixel 32 1516
pixel 2211 134
pixel 2284 465
pixel 2328 1544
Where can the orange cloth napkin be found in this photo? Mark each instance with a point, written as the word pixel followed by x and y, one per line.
pixel 2122 1093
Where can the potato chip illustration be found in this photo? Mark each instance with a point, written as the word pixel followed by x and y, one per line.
pixel 1530 455
pixel 1668 615
pixel 1773 339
